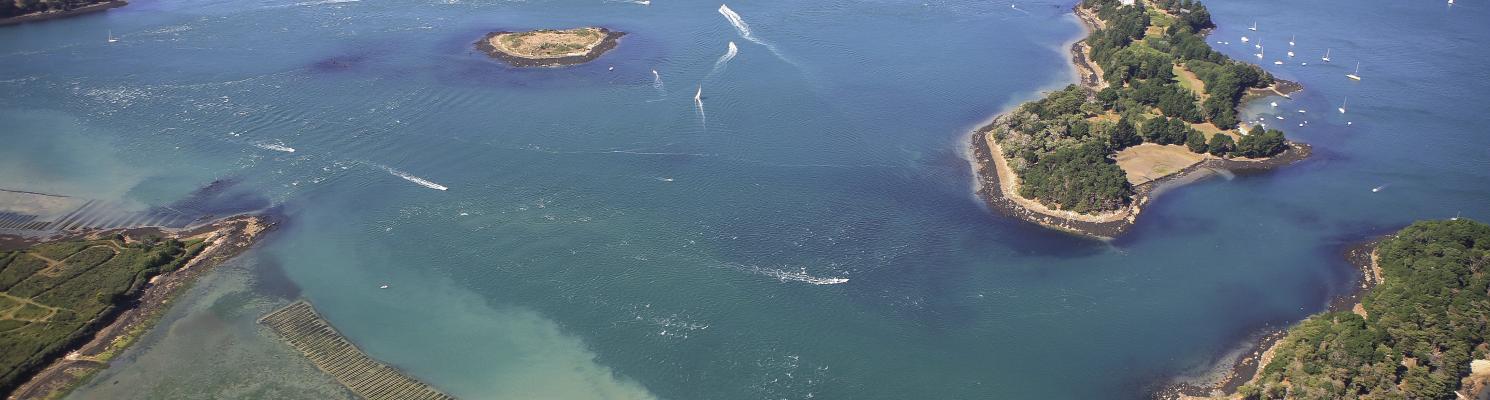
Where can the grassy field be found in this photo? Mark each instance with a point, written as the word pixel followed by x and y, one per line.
pixel 549 43
pixel 1148 161
pixel 53 295
pixel 1189 81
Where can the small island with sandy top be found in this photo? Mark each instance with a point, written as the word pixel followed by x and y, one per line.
pixel 1154 107
pixel 549 47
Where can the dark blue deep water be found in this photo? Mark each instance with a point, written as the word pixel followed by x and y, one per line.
pixel 810 233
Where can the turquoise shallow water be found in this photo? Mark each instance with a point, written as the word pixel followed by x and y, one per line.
pixel 810 234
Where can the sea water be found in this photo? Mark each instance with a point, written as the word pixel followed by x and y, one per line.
pixel 584 233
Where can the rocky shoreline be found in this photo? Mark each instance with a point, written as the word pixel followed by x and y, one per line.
pixel 43 16
pixel 122 325
pixel 606 44
pixel 1258 353
pixel 990 189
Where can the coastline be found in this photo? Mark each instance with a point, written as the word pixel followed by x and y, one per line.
pixel 606 44
pixel 1248 367
pixel 43 16
pixel 121 326
pixel 999 188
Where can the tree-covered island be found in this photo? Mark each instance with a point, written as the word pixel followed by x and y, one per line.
pixel 1155 102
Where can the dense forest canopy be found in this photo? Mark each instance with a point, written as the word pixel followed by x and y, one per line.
pixel 1061 146
pixel 1424 323
pixel 11 8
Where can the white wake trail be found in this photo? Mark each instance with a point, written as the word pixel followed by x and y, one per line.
pixel 698 101
pixel 799 275
pixel 411 178
pixel 744 29
pixel 275 147
pixel 729 54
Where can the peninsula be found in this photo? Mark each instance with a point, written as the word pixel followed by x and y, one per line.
pixel 70 304
pixel 1417 329
pixel 1155 106
pixel 549 47
pixel 15 12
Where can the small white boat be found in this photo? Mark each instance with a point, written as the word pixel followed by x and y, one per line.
pixel 1301 111
pixel 1290 54
pixel 1290 39
pixel 383 287
pixel 699 95
pixel 1326 57
pixel 1274 104
pixel 1280 117
pixel 112 39
pixel 1260 50
pixel 1357 74
pixel 1342 107
pixel 611 68
pixel 1254 26
pixel 1276 62
pixel 1245 39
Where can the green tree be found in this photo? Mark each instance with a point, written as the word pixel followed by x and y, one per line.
pixel 1123 135
pixel 1220 145
pixel 1196 142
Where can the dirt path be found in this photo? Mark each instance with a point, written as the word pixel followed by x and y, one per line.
pixel 10 313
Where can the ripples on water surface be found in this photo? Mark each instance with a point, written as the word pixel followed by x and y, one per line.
pixel 814 237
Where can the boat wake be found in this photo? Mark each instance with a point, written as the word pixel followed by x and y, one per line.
pixel 657 83
pixel 320 2
pixel 744 29
pixel 799 275
pixel 275 147
pixel 698 101
pixel 412 178
pixel 729 54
